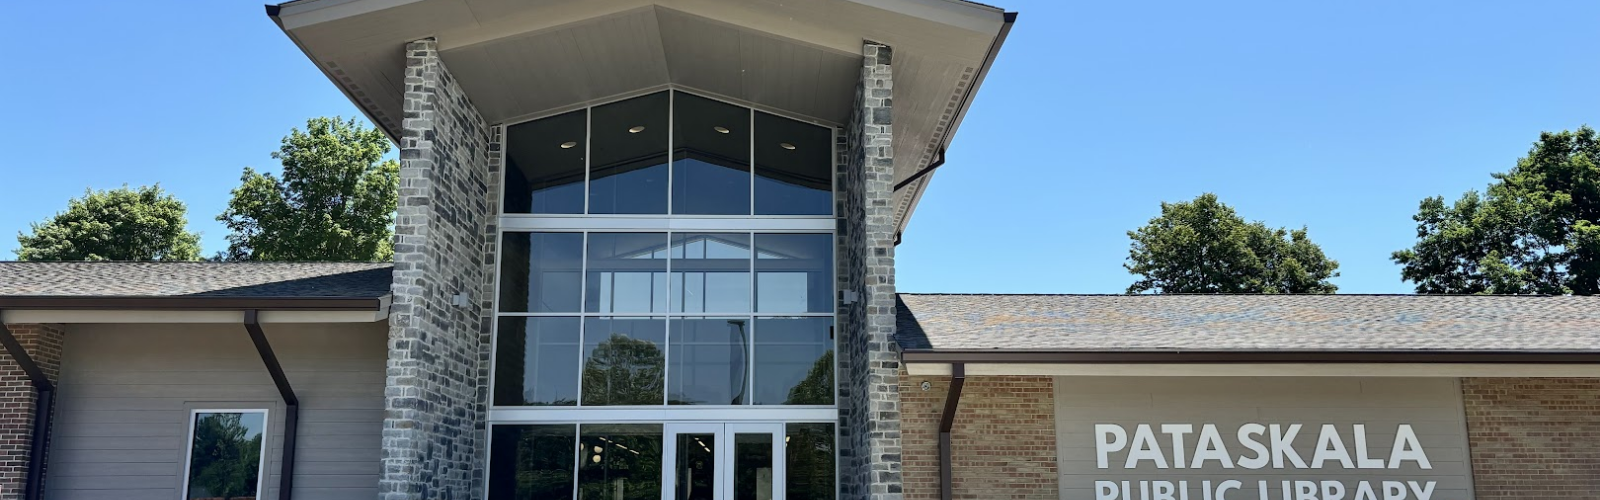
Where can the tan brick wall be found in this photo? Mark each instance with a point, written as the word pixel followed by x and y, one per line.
pixel 1003 441
pixel 1534 438
pixel 43 343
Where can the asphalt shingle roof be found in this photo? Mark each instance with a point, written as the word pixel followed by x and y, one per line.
pixel 195 279
pixel 1248 322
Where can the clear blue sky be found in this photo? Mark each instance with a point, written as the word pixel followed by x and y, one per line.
pixel 1339 116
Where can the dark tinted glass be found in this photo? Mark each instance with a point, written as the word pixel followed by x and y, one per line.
pixel 619 462
pixel 628 171
pixel 531 461
pixel 752 466
pixel 794 167
pixel 540 272
pixel 225 457
pixel 708 361
pixel 627 272
pixel 710 272
pixel 696 477
pixel 536 362
pixel 810 471
pixel 544 165
pixel 794 273
pixel 623 361
pixel 710 157
pixel 794 361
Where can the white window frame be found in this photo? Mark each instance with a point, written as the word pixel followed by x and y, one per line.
pixel 266 446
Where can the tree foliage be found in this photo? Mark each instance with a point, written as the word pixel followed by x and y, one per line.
pixel 1535 230
pixel 1203 246
pixel 623 371
pixel 335 200
pixel 225 461
pixel 119 224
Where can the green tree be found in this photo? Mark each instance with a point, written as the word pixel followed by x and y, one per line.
pixel 225 461
pixel 119 224
pixel 335 200
pixel 1203 246
pixel 623 371
pixel 1535 230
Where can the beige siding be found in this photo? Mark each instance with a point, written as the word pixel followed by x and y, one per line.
pixel 1432 406
pixel 127 390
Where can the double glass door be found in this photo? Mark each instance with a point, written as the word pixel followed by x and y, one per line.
pixel 723 461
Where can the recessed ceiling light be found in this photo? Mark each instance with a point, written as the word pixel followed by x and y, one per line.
pixel 636 129
pixel 786 145
pixel 720 130
pixel 568 144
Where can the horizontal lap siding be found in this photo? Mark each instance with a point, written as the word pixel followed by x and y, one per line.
pixel 127 390
pixel 1534 438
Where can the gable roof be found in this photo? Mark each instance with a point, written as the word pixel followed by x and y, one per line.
pixel 1248 323
pixel 320 285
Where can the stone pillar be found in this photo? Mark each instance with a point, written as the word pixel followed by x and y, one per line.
pixel 18 400
pixel 870 359
pixel 433 431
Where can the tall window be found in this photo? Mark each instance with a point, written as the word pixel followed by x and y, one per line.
pixel 226 454
pixel 665 312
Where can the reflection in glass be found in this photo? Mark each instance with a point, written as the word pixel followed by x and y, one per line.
pixel 708 361
pixel 794 361
pixel 794 273
pixel 809 472
pixel 225 455
pixel 623 361
pixel 540 272
pixel 544 165
pixel 794 167
pixel 627 272
pixel 697 467
pixel 710 157
pixel 536 362
pixel 628 170
pixel 710 272
pixel 752 467
pixel 619 462
pixel 531 461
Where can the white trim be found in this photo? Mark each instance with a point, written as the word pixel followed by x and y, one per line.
pixel 656 414
pixel 1264 369
pixel 777 431
pixel 669 457
pixel 64 316
pixel 266 446
pixel 680 223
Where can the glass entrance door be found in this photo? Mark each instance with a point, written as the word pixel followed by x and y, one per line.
pixel 713 461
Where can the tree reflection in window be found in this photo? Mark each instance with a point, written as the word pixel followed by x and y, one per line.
pixel 627 367
pixel 225 455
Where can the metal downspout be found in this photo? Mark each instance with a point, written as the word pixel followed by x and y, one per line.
pixel 42 414
pixel 291 416
pixel 952 400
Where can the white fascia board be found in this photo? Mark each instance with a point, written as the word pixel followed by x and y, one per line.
pixel 226 317
pixel 308 12
pixel 964 15
pixel 1451 370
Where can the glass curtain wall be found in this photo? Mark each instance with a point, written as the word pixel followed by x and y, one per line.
pixel 596 320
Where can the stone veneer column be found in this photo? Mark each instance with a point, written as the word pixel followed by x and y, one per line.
pixel 433 427
pixel 870 359
pixel 18 399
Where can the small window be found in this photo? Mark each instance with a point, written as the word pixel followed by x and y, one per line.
pixel 225 454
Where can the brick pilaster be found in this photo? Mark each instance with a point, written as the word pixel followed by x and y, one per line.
pixel 18 400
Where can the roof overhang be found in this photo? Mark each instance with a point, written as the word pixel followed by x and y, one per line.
pixel 1266 363
pixel 519 59
pixel 191 309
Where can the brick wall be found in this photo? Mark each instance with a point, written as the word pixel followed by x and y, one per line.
pixel 869 359
pixel 1534 438
pixel 1003 443
pixel 433 426
pixel 17 402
